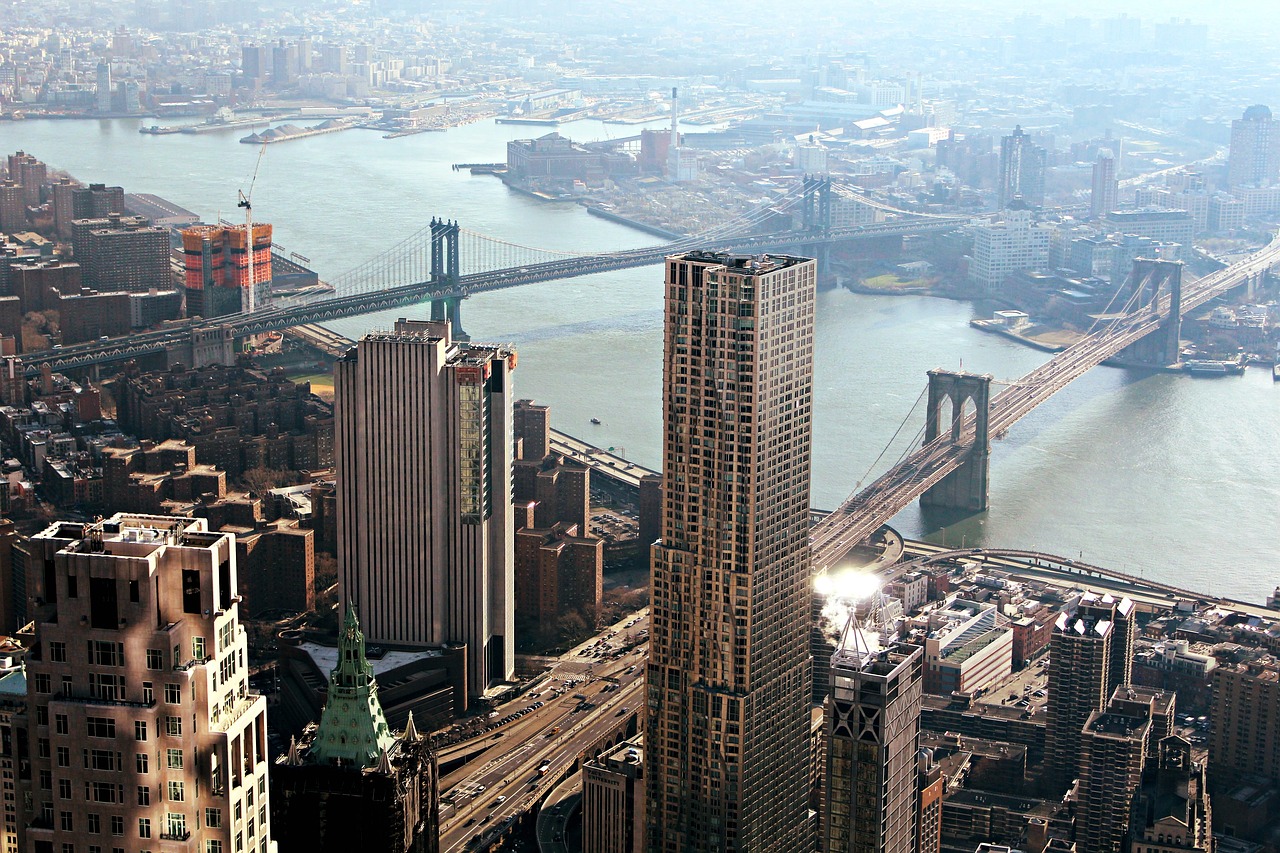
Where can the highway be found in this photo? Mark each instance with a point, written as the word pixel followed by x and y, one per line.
pixel 501 779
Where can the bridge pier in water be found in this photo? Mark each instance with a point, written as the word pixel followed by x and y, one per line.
pixel 1151 280
pixel 968 487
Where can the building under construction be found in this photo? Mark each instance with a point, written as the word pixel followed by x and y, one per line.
pixel 216 268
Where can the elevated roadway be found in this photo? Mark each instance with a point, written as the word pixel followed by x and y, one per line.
pixel 863 512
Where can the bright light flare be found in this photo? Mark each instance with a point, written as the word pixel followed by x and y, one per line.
pixel 849 586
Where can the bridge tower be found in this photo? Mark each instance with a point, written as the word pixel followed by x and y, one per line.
pixel 966 488
pixel 1152 280
pixel 815 204
pixel 445 271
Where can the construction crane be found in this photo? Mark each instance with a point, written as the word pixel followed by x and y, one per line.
pixel 248 302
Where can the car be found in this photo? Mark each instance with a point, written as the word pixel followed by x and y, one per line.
pixel 470 821
pixel 502 798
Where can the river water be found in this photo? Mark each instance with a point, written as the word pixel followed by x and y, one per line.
pixel 1164 475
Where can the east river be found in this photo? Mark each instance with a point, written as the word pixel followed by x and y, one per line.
pixel 1163 475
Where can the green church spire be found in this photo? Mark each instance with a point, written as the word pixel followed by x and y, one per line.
pixel 353 729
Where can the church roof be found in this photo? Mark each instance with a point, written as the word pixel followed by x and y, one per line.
pixel 353 729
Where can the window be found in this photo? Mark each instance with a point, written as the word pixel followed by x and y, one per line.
pixel 42 715
pixel 238 812
pixel 176 824
pixel 68 847
pixel 142 759
pixel 64 789
pixel 262 785
pixel 213 818
pixel 101 726
pixel 148 693
pixel 64 756
pixel 155 659
pixel 42 747
pixel 144 827
pixel 140 731
pixel 73 586
pixel 117 825
pixel 144 795
pixel 42 683
pixel 174 759
pixel 172 694
pixel 173 726
pixel 57 651
pixel 95 823
pixel 213 845
pixel 102 792
pixel 101 759
pixel 64 820
pixel 46 780
pixel 225 635
pixel 197 648
pixel 60 724
pixel 106 686
pixel 177 792
pixel 106 653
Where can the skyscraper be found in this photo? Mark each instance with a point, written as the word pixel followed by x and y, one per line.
pixel 1090 654
pixel 350 783
pixel 142 726
pixel 873 731
pixel 104 91
pixel 1254 158
pixel 727 733
pixel 423 447
pixel 1022 169
pixel 1106 189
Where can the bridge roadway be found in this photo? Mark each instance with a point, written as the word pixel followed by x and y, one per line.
pixel 505 764
pixel 863 512
pixel 276 319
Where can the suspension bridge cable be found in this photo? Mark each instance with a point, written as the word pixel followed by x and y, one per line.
pixel 894 437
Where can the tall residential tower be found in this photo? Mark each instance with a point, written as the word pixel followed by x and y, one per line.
pixel 423 446
pixel 727 734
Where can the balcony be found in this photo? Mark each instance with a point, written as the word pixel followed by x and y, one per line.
pixel 184 835
pixel 89 700
pixel 223 722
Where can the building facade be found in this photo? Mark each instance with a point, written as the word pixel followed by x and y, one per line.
pixel 1022 170
pixel 1245 737
pixel 351 783
pixel 1254 157
pixel 1105 190
pixel 613 800
pixel 727 732
pixel 1002 248
pixel 873 735
pixel 141 727
pixel 423 447
pixel 216 273
pixel 1090 653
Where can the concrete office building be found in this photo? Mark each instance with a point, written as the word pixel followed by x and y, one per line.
pixel 727 731
pixel 1167 226
pixel 1254 156
pixel 873 735
pixel 1022 170
pixel 423 449
pixel 969 648
pixel 1014 243
pixel 1089 656
pixel 142 728
pixel 1105 192
pixel 613 800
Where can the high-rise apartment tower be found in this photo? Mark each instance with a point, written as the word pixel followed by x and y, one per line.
pixel 727 735
pixel 1105 193
pixel 143 731
pixel 1022 169
pixel 1254 158
pixel 423 447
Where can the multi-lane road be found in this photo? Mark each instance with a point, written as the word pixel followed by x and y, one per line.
pixel 589 694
